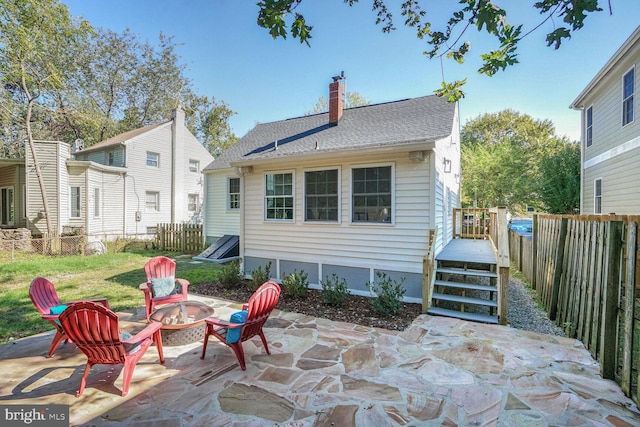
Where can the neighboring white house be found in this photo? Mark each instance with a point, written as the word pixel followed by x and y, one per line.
pixel 348 192
pixel 610 175
pixel 124 185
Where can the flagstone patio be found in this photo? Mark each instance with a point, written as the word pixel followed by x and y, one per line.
pixel 440 372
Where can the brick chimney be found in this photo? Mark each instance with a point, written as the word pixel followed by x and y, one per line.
pixel 335 101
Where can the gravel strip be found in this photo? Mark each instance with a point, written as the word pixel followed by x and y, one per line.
pixel 524 313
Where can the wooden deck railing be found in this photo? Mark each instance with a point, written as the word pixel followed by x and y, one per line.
pixel 470 223
pixel 499 236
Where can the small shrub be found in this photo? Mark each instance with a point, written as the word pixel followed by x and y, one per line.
pixel 295 284
pixel 388 294
pixel 230 274
pixel 334 290
pixel 259 276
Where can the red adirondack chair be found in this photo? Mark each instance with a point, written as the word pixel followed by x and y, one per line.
pixel 95 331
pixel 44 297
pixel 161 267
pixel 258 310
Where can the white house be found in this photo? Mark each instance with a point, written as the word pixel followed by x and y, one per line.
pixel 348 192
pixel 610 176
pixel 124 185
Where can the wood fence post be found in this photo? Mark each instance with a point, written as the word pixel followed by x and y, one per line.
pixel 609 325
pixel 534 253
pixel 557 273
pixel 629 304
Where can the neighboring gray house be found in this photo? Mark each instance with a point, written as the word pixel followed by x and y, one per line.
pixel 610 176
pixel 125 185
pixel 348 192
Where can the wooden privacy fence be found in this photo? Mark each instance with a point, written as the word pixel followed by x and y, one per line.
pixel 180 237
pixel 585 270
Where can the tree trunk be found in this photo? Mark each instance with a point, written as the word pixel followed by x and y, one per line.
pixel 36 163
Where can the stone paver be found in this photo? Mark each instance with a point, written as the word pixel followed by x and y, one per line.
pixel 440 372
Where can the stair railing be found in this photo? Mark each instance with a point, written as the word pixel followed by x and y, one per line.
pixel 499 237
pixel 429 271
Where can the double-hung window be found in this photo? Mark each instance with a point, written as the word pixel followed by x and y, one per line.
pixel 74 202
pixel 279 196
pixel 321 195
pixel 152 201
pixel 233 191
pixel 194 166
pixel 192 202
pixel 628 89
pixel 8 206
pixel 372 194
pixel 597 196
pixel 589 127
pixel 153 159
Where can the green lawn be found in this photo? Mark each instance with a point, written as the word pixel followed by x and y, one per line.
pixel 114 276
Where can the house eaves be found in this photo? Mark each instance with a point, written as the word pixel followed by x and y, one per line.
pixel 87 164
pixel 416 145
pixel 124 138
pixel 11 162
pixel 615 59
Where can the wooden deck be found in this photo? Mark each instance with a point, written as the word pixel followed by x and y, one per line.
pixel 468 250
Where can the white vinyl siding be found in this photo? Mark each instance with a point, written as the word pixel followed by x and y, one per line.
pixel 373 245
pixel 628 91
pixel 218 218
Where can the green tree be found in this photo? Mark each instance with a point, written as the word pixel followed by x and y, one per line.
pixel 352 99
pixel 36 37
pixel 282 17
pixel 208 120
pixel 560 180
pixel 502 161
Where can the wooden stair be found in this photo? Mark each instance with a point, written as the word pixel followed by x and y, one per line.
pixel 465 293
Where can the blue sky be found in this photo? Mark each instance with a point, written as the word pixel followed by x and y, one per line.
pixel 229 57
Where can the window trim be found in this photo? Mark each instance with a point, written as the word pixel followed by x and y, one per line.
pixel 597 197
pixel 631 97
pixel 157 202
pixel 393 194
pixel 110 158
pixel 338 195
pixel 157 160
pixel 293 196
pixel 229 193
pixel 10 207
pixel 197 202
pixel 588 131
pixel 196 163
pixel 78 201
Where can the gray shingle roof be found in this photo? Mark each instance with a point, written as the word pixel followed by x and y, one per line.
pixel 123 137
pixel 427 118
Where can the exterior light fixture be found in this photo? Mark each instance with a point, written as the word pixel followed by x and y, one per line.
pixel 447 165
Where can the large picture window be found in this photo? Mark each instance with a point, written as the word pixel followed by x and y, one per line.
pixel 321 195
pixel 597 196
pixel 279 196
pixel 233 193
pixel 628 85
pixel 74 202
pixel 371 200
pixel 589 126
